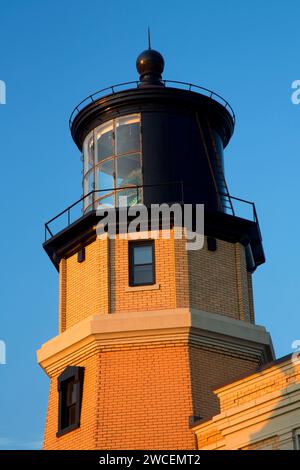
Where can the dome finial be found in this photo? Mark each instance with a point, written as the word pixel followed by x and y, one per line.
pixel 150 65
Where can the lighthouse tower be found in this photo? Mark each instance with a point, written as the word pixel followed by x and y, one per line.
pixel 147 328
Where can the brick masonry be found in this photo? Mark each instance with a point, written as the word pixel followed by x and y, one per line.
pixel 142 396
pixel 219 282
pixel 216 282
pixel 258 411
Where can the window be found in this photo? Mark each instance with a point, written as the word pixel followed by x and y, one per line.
pixel 112 163
pixel 105 143
pixel 127 134
pixel 141 263
pixel 70 384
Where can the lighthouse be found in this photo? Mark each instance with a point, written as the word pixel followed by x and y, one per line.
pixel 147 328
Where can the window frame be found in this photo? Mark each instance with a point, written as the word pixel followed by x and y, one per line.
pixel 75 374
pixel 131 246
pixel 90 177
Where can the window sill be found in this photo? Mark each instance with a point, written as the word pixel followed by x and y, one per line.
pixel 68 429
pixel 141 288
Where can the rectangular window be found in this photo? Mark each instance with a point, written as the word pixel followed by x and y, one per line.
pixel 141 263
pixel 69 411
pixel 70 385
pixel 128 134
pixel 105 142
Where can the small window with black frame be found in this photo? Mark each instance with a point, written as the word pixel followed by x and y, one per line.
pixel 70 386
pixel 141 263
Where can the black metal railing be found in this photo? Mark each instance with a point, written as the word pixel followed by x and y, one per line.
pixel 66 217
pixel 250 204
pixel 120 86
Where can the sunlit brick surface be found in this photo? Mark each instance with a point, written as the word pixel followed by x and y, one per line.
pixel 216 282
pixel 142 395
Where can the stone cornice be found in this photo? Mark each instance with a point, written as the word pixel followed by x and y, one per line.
pixel 149 328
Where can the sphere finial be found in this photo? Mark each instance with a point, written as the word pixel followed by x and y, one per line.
pixel 150 65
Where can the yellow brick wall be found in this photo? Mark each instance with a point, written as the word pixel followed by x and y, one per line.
pixel 181 275
pixel 251 299
pixel 272 381
pixel 242 282
pixel 271 443
pixel 84 285
pixel 123 299
pixel 145 399
pixel 218 280
pixel 259 409
pixel 209 370
pixel 133 398
pixel 141 396
pixel 83 437
pixel 62 295
pixel 210 437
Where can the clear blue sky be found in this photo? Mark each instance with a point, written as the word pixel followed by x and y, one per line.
pixel 53 54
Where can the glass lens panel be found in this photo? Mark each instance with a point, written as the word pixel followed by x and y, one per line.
pixel 90 178
pixel 142 254
pixel 128 171
pixel 105 177
pixel 105 202
pixel 88 186
pixel 91 152
pixel 88 203
pixel 133 197
pixel 128 134
pixel 89 207
pixel 88 152
pixel 142 274
pixel 104 139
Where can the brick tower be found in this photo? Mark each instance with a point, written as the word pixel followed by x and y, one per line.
pixel 147 328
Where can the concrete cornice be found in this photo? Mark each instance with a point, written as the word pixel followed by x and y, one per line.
pixel 152 327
